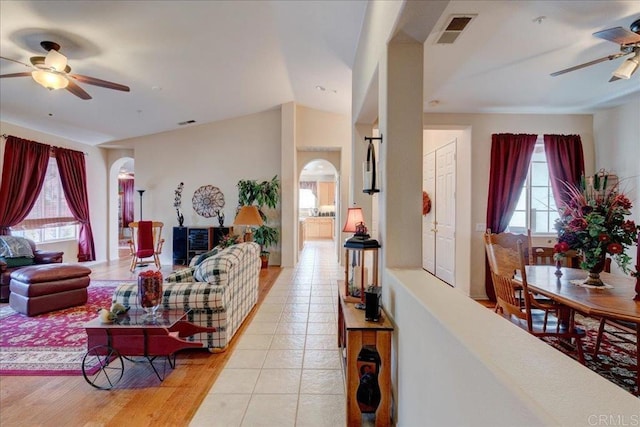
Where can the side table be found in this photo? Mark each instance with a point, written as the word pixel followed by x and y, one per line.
pixel 354 334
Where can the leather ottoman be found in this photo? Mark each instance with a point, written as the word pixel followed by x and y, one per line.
pixel 40 289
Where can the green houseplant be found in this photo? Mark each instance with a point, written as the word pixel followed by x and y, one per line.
pixel 265 194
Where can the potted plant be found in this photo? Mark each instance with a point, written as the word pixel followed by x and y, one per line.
pixel 265 194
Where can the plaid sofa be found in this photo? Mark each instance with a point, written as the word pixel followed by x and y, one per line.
pixel 220 291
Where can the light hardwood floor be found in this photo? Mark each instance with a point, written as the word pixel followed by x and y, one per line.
pixel 140 399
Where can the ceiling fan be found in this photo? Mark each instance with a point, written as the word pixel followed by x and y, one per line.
pixel 629 42
pixel 52 72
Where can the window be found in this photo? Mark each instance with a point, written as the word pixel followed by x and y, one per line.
pixel 306 199
pixel 536 209
pixel 50 218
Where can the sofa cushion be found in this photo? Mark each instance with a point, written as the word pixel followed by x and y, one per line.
pixel 199 259
pixel 20 261
pixel 179 276
pixel 13 247
pixel 215 269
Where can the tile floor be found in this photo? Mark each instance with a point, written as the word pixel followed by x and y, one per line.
pixel 286 369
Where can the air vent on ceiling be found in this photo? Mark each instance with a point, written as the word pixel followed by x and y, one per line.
pixel 455 25
pixel 188 122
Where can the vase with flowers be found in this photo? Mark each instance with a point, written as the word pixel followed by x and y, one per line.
pixel 594 222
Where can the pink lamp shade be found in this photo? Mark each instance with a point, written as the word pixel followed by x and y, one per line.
pixel 354 217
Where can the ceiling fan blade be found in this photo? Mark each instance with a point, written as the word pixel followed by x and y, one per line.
pixel 586 64
pixel 618 35
pixel 25 74
pixel 77 90
pixel 16 61
pixel 98 82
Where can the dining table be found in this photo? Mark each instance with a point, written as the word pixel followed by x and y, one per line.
pixel 617 300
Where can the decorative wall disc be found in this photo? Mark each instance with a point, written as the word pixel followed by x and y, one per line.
pixel 207 201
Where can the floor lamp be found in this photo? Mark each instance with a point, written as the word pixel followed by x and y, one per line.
pixel 140 191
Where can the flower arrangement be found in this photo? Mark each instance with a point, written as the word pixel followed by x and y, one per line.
pixel 229 240
pixel 594 223
pixel 177 203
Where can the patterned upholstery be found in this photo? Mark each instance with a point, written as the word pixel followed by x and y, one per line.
pixel 223 301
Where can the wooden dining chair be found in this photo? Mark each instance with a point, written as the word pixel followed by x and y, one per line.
pixel 544 255
pixel 622 332
pixel 510 240
pixel 146 242
pixel 540 320
pixel 541 255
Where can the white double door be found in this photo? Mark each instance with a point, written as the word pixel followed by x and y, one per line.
pixel 438 226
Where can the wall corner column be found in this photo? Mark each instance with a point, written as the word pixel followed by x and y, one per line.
pixel 288 187
pixel 400 164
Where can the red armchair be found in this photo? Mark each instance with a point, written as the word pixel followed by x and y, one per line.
pixel 40 257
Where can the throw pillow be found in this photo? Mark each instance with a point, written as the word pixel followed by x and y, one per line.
pixel 20 261
pixel 212 270
pixel 12 247
pixel 206 255
pixel 181 276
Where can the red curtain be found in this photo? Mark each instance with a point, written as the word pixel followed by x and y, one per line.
pixel 73 176
pixel 127 201
pixel 510 158
pixel 566 163
pixel 25 166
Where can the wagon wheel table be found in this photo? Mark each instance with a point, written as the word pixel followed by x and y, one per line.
pixel 135 334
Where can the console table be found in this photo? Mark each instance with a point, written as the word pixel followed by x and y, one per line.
pixel 355 335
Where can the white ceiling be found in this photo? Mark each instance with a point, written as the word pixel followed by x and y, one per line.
pixel 502 61
pixel 212 60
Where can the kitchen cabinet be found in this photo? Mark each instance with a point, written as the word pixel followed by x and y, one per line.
pixel 326 193
pixel 318 228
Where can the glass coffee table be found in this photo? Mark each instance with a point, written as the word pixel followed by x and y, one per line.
pixel 135 334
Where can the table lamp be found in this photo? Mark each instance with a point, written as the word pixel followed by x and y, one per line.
pixel 248 216
pixel 355 224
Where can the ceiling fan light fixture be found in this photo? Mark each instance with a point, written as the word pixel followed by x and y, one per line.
pixel 626 69
pixel 50 80
pixel 55 60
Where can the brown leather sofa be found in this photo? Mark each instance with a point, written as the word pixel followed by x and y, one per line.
pixel 40 257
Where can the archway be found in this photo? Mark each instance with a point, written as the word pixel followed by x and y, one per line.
pixel 120 167
pixel 318 201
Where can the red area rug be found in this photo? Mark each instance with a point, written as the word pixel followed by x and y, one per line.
pixel 51 343
pixel 616 361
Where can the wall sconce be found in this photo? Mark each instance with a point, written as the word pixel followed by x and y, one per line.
pixel 369 167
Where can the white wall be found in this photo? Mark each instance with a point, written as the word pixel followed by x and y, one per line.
pixel 218 154
pixel 458 364
pixel 323 135
pixel 96 188
pixel 617 132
